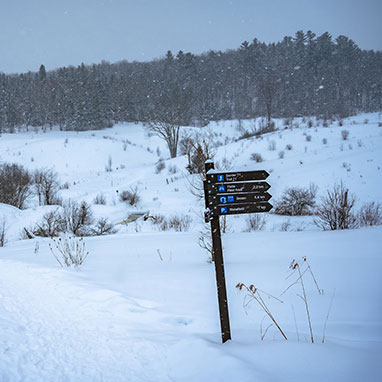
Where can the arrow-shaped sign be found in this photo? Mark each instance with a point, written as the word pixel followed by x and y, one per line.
pixel 228 188
pixel 233 209
pixel 226 177
pixel 239 198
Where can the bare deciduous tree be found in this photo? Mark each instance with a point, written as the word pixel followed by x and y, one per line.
pixel 267 84
pixel 167 114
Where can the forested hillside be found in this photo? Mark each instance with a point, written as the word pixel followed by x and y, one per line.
pixel 301 75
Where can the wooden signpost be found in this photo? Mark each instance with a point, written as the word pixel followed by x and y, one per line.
pixel 231 193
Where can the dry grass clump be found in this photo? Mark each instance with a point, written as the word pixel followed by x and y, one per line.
pixel 69 251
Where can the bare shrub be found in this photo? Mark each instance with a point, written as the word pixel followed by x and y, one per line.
pixel 335 211
pixel 345 134
pixel 256 222
pixel 186 145
pixel 103 227
pixel 256 131
pixel 265 127
pixel 205 242
pixel 78 217
pixel 100 199
pixel 172 169
pixel 51 225
pixel 370 214
pixel 69 251
pixel 160 166
pixel 297 201
pixel 156 219
pixel 285 226
pixel 130 196
pixel 324 141
pixel 108 167
pixel 272 145
pixel 281 154
pixel 3 231
pixel 256 157
pixel 289 147
pixel 308 138
pixel 15 184
pixel 46 185
pixel 180 223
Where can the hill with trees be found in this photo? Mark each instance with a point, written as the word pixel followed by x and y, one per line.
pixel 304 75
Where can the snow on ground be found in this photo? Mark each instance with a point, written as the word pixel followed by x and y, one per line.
pixel 143 306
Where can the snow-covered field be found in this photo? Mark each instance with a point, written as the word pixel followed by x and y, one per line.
pixel 143 306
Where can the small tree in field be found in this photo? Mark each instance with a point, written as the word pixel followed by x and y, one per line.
pixel 268 84
pixel 78 217
pixel 168 113
pixel 47 185
pixel 201 151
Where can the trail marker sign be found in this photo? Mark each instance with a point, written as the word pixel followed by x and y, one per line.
pixel 233 209
pixel 223 188
pixel 231 193
pixel 248 197
pixel 215 177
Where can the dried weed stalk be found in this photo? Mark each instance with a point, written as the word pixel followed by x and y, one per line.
pixel 302 269
pixel 254 294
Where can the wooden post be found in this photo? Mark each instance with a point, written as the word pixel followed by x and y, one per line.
pixel 217 252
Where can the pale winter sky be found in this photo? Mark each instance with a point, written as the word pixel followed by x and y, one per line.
pixel 68 32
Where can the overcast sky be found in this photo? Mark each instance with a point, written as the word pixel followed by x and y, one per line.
pixel 68 32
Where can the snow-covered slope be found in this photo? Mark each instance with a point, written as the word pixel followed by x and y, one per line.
pixel 143 306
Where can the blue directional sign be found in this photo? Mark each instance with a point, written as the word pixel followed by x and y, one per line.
pixel 239 197
pixel 223 210
pixel 241 176
pixel 233 209
pixel 237 187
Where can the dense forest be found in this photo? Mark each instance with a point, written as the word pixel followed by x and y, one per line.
pixel 304 75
